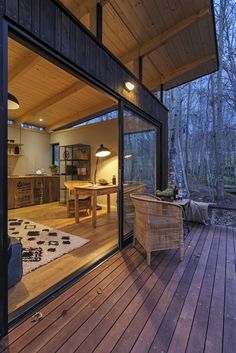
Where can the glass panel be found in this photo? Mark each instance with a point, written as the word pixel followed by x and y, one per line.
pixel 56 154
pixel 140 168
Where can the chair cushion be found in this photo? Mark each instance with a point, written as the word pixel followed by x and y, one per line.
pixel 15 265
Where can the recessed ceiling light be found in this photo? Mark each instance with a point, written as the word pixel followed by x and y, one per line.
pixel 40 119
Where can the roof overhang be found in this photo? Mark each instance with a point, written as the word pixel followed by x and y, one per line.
pixel 176 39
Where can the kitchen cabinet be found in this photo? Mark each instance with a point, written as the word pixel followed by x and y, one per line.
pixel 32 190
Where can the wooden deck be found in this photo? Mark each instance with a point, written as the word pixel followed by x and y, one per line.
pixel 125 306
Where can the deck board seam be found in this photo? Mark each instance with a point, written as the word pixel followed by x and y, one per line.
pixel 190 266
pixel 189 241
pixel 203 274
pixel 202 287
pixel 157 264
pixel 134 254
pixel 138 259
pixel 77 287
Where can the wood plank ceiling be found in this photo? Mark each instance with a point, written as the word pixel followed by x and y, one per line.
pixel 176 38
pixel 49 96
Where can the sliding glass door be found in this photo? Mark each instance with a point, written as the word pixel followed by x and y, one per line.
pixel 140 162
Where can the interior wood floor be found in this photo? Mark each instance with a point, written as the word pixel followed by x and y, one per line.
pixel 102 240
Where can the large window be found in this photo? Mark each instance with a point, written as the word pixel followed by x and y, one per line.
pixel 56 154
pixel 140 162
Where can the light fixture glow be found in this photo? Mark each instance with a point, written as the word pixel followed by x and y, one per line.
pixel 128 156
pixel 129 86
pixel 102 151
pixel 40 119
pixel 12 102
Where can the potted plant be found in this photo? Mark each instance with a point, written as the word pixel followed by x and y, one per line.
pixel 53 168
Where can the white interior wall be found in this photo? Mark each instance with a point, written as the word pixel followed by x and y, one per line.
pixel 36 151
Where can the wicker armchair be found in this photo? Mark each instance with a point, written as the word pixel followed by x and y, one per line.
pixel 158 224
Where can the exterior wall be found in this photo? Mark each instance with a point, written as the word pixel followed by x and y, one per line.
pixel 55 31
pixel 50 22
pixel 36 151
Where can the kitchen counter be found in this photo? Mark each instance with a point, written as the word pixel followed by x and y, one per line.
pixel 29 190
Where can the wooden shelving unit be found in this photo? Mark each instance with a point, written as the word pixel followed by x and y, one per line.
pixel 15 155
pixel 75 164
pixel 11 148
pixel 15 144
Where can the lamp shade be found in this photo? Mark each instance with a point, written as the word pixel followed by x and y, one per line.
pixel 102 151
pixel 13 103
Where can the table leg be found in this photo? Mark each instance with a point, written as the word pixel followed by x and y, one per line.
pixel 185 213
pixel 94 211
pixel 76 206
pixel 68 202
pixel 108 203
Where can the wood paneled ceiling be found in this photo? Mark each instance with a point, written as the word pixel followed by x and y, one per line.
pixel 49 96
pixel 176 38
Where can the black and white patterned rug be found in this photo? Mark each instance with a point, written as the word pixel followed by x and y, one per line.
pixel 41 244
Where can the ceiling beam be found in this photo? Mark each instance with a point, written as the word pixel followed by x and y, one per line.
pixel 75 87
pixel 84 113
pixel 162 38
pixel 154 84
pixel 96 21
pixel 23 66
pixel 84 7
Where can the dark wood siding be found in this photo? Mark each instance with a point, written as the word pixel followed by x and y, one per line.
pixel 57 28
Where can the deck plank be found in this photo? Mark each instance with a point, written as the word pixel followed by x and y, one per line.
pixel 81 298
pixel 123 335
pixel 183 276
pixel 99 272
pixel 101 303
pixel 229 342
pixel 96 336
pixel 198 332
pixel 214 336
pixel 180 337
pixel 107 309
pixel 126 306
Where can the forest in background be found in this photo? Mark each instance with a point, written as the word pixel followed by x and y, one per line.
pixel 202 122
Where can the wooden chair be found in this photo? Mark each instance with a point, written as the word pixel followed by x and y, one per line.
pixel 84 201
pixel 158 224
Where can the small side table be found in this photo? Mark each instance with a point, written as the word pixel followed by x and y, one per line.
pixel 185 204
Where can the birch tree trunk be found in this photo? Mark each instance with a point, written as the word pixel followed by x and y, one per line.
pixel 220 163
pixel 187 128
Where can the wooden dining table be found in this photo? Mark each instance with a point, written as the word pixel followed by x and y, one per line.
pixel 94 191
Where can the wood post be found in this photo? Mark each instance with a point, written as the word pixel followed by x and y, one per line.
pixel 99 22
pixel 96 21
pixel 138 68
pixel 161 93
